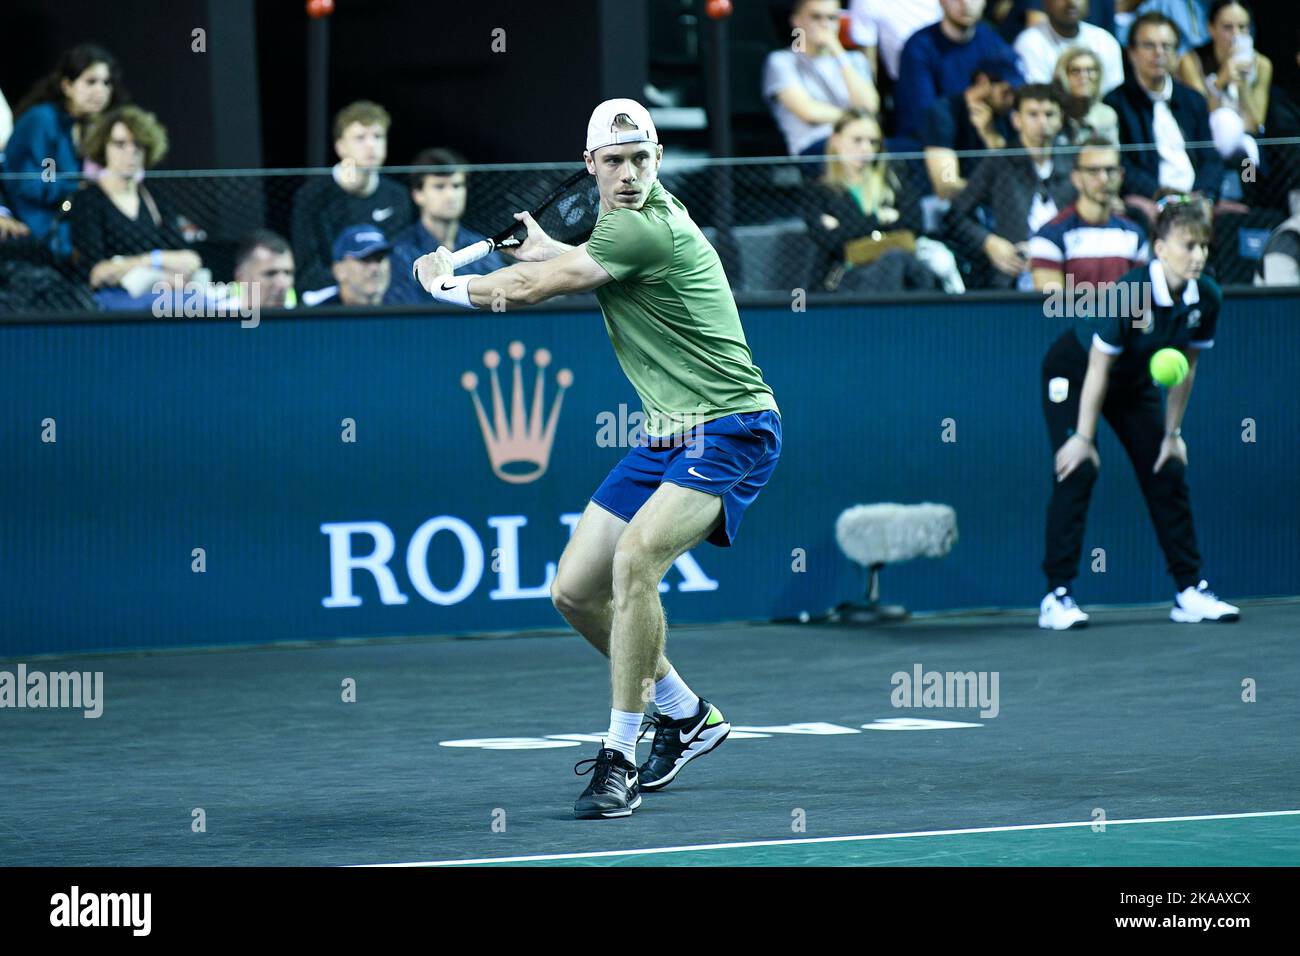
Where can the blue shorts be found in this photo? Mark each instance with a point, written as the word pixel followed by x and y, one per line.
pixel 732 457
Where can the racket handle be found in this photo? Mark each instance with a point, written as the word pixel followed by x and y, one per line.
pixel 472 253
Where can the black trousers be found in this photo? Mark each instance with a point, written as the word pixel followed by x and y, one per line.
pixel 1136 415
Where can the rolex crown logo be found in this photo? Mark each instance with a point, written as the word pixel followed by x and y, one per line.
pixel 519 449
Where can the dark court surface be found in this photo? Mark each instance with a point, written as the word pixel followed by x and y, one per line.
pixel 1135 718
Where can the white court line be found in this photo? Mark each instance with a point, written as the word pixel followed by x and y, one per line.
pixel 594 854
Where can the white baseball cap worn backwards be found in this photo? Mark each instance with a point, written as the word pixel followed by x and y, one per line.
pixel 601 130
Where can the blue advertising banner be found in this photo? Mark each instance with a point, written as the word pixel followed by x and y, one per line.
pixel 188 482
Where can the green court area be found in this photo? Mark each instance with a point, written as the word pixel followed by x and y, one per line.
pixel 1250 841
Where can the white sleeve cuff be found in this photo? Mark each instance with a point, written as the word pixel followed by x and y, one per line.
pixel 1103 346
pixel 453 289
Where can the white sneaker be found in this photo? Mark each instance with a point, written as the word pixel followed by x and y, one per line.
pixel 1193 605
pixel 1058 612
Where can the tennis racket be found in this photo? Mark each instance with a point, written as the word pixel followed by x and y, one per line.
pixel 506 237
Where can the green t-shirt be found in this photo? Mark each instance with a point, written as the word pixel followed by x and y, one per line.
pixel 671 317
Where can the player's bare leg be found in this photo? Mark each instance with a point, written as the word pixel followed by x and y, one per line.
pixel 583 590
pixel 608 588
pixel 673 521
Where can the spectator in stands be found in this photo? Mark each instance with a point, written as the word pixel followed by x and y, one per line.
pixel 1010 18
pixel 1089 241
pixel 939 60
pixel 881 27
pixel 1233 78
pixel 1154 109
pixel 1280 263
pixel 978 118
pixel 10 226
pixel 1187 16
pixel 117 225
pixel 1123 19
pixel 1228 71
pixel 354 193
pixel 52 120
pixel 1013 17
pixel 361 269
pixel 1017 194
pixel 441 198
pixel 1100 13
pixel 862 219
pixel 1041 46
pixel 264 261
pixel 811 85
pixel 1077 80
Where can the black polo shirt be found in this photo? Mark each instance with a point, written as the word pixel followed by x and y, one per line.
pixel 1136 321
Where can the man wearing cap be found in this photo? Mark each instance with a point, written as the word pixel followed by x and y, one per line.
pixel 361 270
pixel 711 439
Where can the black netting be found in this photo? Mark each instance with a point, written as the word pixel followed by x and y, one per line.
pixel 774 224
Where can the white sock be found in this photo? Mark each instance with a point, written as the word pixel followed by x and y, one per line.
pixel 674 698
pixel 623 727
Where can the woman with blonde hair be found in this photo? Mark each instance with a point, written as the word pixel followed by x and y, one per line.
pixel 863 220
pixel 1077 78
pixel 118 227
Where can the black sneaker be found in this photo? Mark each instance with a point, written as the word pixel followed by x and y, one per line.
pixel 614 790
pixel 677 742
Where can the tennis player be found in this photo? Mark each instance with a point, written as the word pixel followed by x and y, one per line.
pixel 1101 367
pixel 710 443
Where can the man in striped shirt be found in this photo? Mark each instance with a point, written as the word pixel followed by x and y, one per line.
pixel 1089 242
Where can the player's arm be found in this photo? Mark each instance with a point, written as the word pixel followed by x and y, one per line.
pixel 537 245
pixel 1082 445
pixel 1175 405
pixel 1095 384
pixel 525 283
pixel 1180 395
pixel 1172 445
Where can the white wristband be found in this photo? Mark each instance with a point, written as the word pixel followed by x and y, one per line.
pixel 453 289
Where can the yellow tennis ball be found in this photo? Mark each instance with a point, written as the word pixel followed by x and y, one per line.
pixel 1169 367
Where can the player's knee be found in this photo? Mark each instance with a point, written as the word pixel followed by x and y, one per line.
pixel 568 598
pixel 634 568
pixel 562 600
